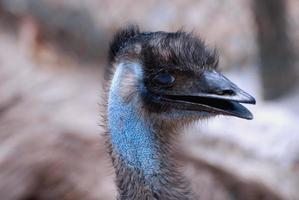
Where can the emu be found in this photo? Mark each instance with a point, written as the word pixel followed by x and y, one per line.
pixel 158 82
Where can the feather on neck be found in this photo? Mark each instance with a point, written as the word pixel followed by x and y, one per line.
pixel 131 135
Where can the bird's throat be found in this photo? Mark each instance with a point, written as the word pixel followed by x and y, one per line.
pixel 143 166
pixel 132 137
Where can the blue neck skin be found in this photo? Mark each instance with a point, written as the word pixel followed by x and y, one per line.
pixel 132 137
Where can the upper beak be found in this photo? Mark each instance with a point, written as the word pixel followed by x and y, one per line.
pixel 216 94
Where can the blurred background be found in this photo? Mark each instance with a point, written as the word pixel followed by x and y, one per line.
pixel 52 56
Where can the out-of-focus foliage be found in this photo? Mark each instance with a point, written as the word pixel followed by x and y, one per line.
pixel 276 52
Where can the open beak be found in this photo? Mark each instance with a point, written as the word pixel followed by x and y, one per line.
pixel 214 93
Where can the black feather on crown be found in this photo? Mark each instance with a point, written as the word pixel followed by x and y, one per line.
pixel 180 48
pixel 120 39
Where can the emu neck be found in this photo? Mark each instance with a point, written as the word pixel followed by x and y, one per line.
pixel 132 136
pixel 143 170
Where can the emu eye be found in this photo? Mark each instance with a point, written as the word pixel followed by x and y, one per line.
pixel 164 79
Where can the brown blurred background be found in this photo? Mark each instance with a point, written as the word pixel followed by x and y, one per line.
pixel 52 55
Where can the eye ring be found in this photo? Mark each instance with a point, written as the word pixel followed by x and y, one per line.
pixel 164 79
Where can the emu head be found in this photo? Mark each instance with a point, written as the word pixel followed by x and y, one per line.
pixel 172 77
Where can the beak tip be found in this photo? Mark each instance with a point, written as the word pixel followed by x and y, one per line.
pixel 248 99
pixel 252 101
pixel 250 117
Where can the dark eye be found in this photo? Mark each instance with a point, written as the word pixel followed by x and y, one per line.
pixel 164 79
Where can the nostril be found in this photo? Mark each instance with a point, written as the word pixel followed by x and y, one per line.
pixel 226 92
pixel 229 92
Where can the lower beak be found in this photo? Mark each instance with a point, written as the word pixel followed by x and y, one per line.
pixel 217 95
